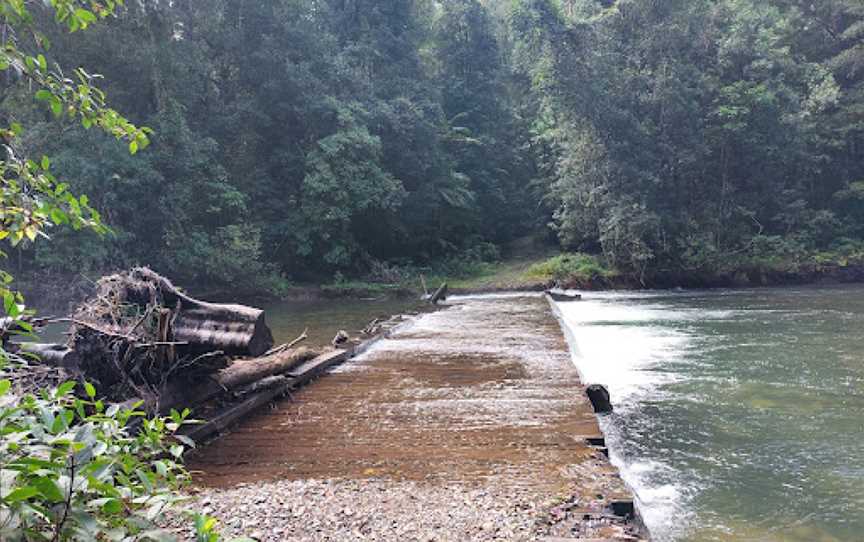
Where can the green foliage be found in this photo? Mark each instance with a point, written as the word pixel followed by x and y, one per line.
pixel 570 268
pixel 324 135
pixel 685 146
pixel 71 467
pixel 32 199
pixel 307 137
pixel 72 470
pixel 344 185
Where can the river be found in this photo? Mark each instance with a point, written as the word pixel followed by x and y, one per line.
pixel 738 413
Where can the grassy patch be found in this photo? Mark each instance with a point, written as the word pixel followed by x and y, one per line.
pixel 510 274
pixel 570 268
pixel 362 288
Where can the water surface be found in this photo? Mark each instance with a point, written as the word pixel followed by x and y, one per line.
pixel 324 318
pixel 738 413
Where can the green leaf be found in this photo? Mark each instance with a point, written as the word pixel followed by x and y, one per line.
pixel 85 16
pixel 56 107
pixel 59 425
pixel 58 216
pixel 5 385
pixel 21 494
pixel 90 390
pixel 49 489
pixel 133 147
pixel 43 64
pixel 112 506
pixel 10 304
pixel 44 95
pixel 46 163
pixel 64 388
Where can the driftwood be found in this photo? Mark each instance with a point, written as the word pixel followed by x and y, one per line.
pixel 563 296
pixel 267 390
pixel 139 332
pixel 240 373
pixel 243 372
pixel 236 330
pixel 439 295
pixel 54 355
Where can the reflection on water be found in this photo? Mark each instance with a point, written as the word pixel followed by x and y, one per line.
pixel 738 413
pixel 324 318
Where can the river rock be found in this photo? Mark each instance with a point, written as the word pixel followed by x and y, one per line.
pixel 599 397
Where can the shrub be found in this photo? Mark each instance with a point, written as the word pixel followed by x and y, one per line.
pixel 71 469
pixel 570 267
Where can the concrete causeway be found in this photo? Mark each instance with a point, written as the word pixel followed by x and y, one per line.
pixel 480 395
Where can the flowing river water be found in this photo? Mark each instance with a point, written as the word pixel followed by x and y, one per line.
pixel 738 412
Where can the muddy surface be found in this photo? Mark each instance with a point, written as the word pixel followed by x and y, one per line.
pixel 480 396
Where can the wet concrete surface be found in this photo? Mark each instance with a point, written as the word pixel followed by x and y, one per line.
pixel 480 393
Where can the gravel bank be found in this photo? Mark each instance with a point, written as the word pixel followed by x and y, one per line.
pixel 349 510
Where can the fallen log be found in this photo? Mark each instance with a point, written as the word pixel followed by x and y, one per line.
pixel 240 373
pixel 161 312
pixel 54 355
pixel 439 295
pixel 236 330
pixel 243 372
pixel 268 389
pixel 138 331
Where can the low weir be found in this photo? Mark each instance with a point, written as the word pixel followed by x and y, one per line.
pixel 482 393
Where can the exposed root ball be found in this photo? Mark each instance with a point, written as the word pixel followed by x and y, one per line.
pixel 138 331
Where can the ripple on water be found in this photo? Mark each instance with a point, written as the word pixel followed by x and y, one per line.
pixel 737 412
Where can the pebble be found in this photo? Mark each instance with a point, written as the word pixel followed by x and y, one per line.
pixel 355 510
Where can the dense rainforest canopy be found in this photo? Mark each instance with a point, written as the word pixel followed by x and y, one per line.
pixel 295 138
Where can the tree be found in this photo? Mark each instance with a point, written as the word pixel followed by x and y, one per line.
pixel 70 467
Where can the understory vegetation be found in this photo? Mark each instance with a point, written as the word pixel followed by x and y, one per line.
pixel 571 269
pixel 324 141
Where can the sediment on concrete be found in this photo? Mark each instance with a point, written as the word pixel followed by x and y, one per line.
pixel 477 409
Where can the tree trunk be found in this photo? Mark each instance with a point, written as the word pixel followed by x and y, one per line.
pixel 236 330
pixel 240 373
pixel 55 355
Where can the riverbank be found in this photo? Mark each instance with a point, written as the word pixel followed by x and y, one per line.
pixel 531 269
pixel 470 423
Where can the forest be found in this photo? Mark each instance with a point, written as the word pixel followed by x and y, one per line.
pixel 298 140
